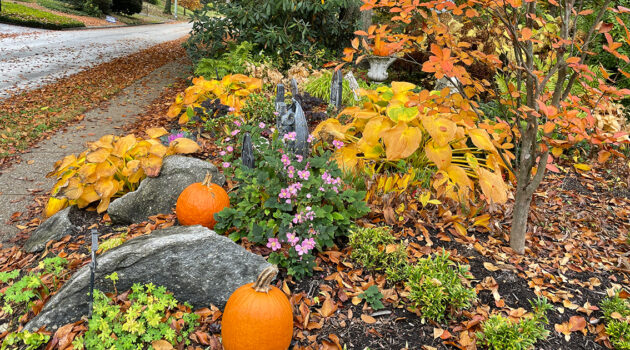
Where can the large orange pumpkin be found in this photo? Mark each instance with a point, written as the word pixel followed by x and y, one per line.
pixel 198 203
pixel 258 316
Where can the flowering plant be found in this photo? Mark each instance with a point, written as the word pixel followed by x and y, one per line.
pixel 289 203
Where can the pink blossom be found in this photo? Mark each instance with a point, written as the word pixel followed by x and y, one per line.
pixel 299 158
pixel 261 125
pixel 292 238
pixel 222 153
pixel 231 109
pixel 337 144
pixel 237 123
pixel 291 172
pixel 301 250
pixel 226 164
pixel 304 174
pixel 230 148
pixel 274 244
pixel 290 136
pixel 234 132
pixel 285 160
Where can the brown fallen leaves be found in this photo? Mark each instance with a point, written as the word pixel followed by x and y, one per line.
pixel 31 115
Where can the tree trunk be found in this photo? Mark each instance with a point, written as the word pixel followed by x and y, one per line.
pixel 167 7
pixel 520 217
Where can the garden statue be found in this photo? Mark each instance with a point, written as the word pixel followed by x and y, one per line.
pixel 295 91
pixel 336 89
pixel 247 152
pixel 281 107
pixel 294 120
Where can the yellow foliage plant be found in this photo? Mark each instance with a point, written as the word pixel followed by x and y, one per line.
pixel 436 129
pixel 231 91
pixel 111 167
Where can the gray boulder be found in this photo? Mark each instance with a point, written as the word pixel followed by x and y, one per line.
pixel 53 229
pixel 158 195
pixel 194 263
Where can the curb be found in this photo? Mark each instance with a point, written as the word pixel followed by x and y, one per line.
pixel 121 26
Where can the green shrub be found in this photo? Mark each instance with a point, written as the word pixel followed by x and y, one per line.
pixel 128 7
pixel 290 203
pixel 30 287
pixel 502 333
pixel 62 7
pixel 373 297
pixel 259 108
pixel 319 86
pixel 370 247
pixel 91 8
pixel 436 287
pixel 139 322
pixel 30 340
pixel 231 62
pixel 280 28
pixel 617 316
pixel 23 15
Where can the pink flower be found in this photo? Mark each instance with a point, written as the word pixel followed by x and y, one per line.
pixel 310 139
pixel 337 144
pixel 291 172
pixel 285 160
pixel 301 250
pixel 231 109
pixel 238 123
pixel 230 148
pixel 290 136
pixel 226 164
pixel 274 244
pixel 261 125
pixel 222 153
pixel 292 238
pixel 227 139
pixel 308 195
pixel 276 114
pixel 304 174
pixel 308 243
pixel 234 132
pixel 299 158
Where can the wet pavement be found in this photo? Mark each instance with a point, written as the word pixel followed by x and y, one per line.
pixel 30 58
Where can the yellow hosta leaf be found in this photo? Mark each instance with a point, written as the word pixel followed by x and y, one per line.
pixel 582 167
pixel 174 110
pixel 151 165
pixel 183 119
pixel 87 173
pixel 103 205
pixel 373 129
pixel 442 130
pixel 402 86
pixel 492 186
pixel 182 145
pixel 62 165
pixel 459 177
pixel 347 158
pixel 99 155
pixel 154 133
pixel 54 205
pixel 401 141
pixel 440 155
pixel 140 150
pixel 158 149
pixel 123 145
pixel 88 196
pixel 472 161
pixel 402 113
pixel 106 187
pixel 104 169
pixel 73 190
pixel 105 141
pixel 370 151
pixel 481 139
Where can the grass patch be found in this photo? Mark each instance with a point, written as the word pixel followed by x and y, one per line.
pixel 62 7
pixel 30 17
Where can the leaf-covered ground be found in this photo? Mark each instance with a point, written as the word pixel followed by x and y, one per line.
pixel 30 116
pixel 578 250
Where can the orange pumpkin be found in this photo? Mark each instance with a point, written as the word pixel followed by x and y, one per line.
pixel 258 316
pixel 198 203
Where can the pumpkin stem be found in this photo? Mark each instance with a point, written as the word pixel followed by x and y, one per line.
pixel 263 281
pixel 207 180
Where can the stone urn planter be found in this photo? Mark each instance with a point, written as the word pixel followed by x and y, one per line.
pixel 378 67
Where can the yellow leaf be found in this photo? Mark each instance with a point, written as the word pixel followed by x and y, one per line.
pixel 88 196
pixel 182 146
pixel 103 205
pixel 481 139
pixel 458 176
pixel 441 156
pixel 123 145
pixel 424 198
pixel 442 130
pixel 347 158
pixel 583 167
pixel 54 205
pixel 73 190
pixel 556 151
pixel 401 141
pixel 99 155
pixel 151 165
pixel 106 187
pixel 368 319
pixel 492 186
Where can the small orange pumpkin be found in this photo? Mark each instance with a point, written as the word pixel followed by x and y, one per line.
pixel 258 316
pixel 198 203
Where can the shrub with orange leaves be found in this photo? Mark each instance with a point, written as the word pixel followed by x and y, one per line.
pixel 541 104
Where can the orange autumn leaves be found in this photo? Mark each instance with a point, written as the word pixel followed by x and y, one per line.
pixel 423 128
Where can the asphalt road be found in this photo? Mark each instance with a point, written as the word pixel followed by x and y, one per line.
pixel 30 58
